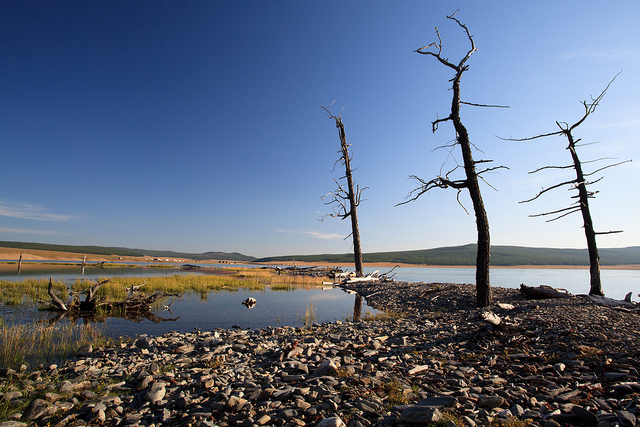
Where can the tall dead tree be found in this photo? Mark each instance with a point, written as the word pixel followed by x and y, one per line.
pixel 472 175
pixel 346 201
pixel 579 184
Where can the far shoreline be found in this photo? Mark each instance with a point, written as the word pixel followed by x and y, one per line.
pixel 404 265
pixel 9 256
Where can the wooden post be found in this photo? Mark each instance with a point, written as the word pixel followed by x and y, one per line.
pixel 20 263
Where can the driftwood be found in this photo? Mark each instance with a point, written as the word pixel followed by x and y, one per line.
pixel 140 303
pixel 313 271
pixel 543 292
pixel 55 300
pixel 133 304
pixel 490 317
pixel 626 306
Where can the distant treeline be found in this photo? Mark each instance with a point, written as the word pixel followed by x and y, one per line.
pixel 454 255
pixel 102 250
pixel 466 255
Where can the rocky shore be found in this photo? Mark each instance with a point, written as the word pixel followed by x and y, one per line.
pixel 554 362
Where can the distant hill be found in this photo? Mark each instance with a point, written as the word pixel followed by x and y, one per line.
pixel 452 255
pixel 105 250
pixel 466 255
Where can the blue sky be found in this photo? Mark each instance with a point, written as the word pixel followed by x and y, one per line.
pixel 196 126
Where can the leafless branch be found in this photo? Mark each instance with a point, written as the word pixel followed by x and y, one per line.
pixel 484 105
pixel 609 232
pixel 568 211
pixel 607 167
pixel 548 189
pixel 530 138
pixel 551 167
pixel 434 124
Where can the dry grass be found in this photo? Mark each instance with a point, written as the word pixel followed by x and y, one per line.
pixel 34 344
pixel 28 290
pixel 234 279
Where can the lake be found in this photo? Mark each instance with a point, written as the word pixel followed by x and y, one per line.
pixel 297 307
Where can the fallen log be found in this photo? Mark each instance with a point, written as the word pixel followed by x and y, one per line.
pixel 134 303
pixel 543 292
pixel 625 305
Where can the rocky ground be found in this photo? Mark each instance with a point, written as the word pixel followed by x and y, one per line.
pixel 548 363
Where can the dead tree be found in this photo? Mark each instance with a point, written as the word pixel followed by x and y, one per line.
pixel 579 183
pixel 472 175
pixel 346 201
pixel 55 300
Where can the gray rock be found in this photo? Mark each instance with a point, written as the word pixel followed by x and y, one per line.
pixel 420 414
pixel 490 402
pixel 627 419
pixel 331 422
pixel 36 409
pixel 439 401
pixel 588 417
pixel 327 367
pixel 156 392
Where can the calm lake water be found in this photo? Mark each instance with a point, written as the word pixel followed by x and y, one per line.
pixel 223 309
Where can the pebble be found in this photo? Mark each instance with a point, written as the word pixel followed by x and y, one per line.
pixel 545 363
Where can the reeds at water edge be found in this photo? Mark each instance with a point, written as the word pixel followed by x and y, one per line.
pixel 39 343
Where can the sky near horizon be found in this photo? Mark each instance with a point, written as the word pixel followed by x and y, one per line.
pixel 196 126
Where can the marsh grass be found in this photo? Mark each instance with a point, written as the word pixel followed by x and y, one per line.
pixel 233 279
pixel 28 290
pixel 386 316
pixel 201 284
pixel 34 344
pixel 310 314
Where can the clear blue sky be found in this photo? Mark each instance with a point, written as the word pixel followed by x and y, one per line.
pixel 196 126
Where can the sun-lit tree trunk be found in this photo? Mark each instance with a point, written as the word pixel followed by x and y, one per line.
pixel 470 182
pixel 583 198
pixel 580 184
pixel 483 256
pixel 350 195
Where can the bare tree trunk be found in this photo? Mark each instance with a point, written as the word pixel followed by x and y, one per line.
pixel 483 285
pixel 590 233
pixel 353 203
pixel 470 182
pixel 579 183
pixel 352 194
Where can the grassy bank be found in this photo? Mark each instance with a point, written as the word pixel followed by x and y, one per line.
pixel 39 344
pixel 231 279
pixel 33 344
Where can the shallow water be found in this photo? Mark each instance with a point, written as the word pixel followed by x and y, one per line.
pixel 218 309
pixel 224 309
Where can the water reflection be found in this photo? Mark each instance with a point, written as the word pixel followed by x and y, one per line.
pixel 214 309
pixel 357 308
pixel 87 317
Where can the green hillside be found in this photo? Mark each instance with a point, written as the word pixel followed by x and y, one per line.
pixel 102 250
pixel 466 255
pixel 454 255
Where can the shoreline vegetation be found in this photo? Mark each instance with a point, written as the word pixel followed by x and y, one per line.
pixel 455 256
pixel 42 343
